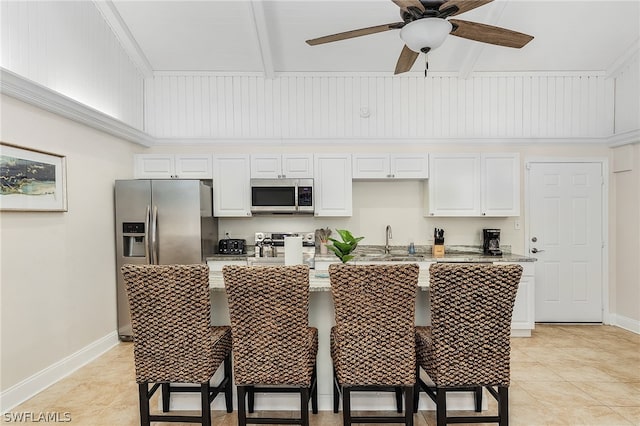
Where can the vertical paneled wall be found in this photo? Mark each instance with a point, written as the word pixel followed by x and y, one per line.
pixel 68 47
pixel 627 92
pixel 213 106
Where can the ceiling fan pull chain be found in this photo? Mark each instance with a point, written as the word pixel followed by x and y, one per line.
pixel 426 65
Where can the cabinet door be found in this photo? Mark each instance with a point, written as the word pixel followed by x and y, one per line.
pixel 409 166
pixel 195 166
pixel 332 185
pixel 454 185
pixel 267 166
pixel 500 184
pixel 371 166
pixel 297 166
pixel 154 166
pixel 231 186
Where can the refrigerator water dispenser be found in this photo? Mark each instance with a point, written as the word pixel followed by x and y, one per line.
pixel 133 239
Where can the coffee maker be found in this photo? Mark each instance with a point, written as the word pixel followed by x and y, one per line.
pixel 491 242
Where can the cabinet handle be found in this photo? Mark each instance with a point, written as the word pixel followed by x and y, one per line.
pixel 484 214
pixel 431 213
pixel 284 176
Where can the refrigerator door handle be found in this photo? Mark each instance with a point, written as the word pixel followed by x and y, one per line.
pixel 154 236
pixel 147 239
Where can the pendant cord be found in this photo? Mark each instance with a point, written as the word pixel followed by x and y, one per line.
pixel 426 65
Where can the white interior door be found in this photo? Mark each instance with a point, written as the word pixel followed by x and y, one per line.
pixel 565 235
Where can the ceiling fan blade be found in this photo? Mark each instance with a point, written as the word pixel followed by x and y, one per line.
pixel 354 33
pixel 463 5
pixel 406 60
pixel 489 34
pixel 405 4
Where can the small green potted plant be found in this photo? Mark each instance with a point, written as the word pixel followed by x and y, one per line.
pixel 343 248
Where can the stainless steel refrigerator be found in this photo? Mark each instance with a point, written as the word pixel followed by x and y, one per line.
pixel 161 222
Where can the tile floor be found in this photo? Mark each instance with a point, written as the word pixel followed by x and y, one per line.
pixel 563 375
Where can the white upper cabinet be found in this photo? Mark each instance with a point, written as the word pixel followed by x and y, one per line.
pixel 231 186
pixel 500 184
pixel 474 185
pixel 170 166
pixel 279 166
pixel 390 166
pixel 332 185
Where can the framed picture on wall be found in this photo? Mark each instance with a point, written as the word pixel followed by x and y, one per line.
pixel 32 180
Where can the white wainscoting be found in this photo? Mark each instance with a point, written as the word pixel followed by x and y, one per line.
pixel 496 105
pixel 68 47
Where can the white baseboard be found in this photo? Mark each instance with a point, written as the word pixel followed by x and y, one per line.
pixel 626 323
pixel 30 386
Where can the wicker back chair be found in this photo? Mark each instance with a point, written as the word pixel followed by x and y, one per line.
pixel 467 345
pixel 373 343
pixel 172 337
pixel 274 349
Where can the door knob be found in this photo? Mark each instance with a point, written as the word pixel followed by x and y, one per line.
pixel 534 239
pixel 535 250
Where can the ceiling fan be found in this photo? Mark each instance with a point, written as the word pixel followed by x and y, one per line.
pixel 424 27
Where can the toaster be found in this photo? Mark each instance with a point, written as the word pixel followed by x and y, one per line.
pixel 232 246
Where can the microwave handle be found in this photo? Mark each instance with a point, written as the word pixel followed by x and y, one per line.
pixel 296 197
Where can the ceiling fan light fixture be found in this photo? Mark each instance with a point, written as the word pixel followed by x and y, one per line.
pixel 425 33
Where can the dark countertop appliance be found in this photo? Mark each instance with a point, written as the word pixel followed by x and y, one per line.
pixel 491 242
pixel 232 246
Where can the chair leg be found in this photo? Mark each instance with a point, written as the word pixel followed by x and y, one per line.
pixel 441 407
pixel 143 388
pixel 346 406
pixel 251 394
pixel 408 412
pixel 314 390
pixel 336 392
pixel 416 390
pixel 477 397
pixel 205 404
pixel 242 400
pixel 166 396
pixel 228 389
pixel 304 406
pixel 399 399
pixel 503 405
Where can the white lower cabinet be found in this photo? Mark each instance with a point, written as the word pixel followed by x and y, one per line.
pixel 231 185
pixel 522 320
pixel 332 185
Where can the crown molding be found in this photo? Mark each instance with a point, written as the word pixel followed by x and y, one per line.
pixel 32 93
pixel 624 138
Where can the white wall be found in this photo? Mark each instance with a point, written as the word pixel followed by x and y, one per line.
pixel 626 175
pixel 627 96
pixel 58 268
pixel 68 47
pixel 299 107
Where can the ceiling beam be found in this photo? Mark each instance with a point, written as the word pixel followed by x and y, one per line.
pixel 122 33
pixel 475 48
pixel 262 37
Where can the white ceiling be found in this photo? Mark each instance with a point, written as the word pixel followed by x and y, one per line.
pixel 269 35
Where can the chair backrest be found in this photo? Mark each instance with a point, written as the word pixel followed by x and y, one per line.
pixel 375 323
pixel 269 312
pixel 471 308
pixel 170 316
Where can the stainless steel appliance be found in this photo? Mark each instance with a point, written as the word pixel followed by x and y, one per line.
pixel 271 245
pixel 160 222
pixel 491 242
pixel 282 196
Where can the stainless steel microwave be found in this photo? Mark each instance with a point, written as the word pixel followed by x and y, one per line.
pixel 282 196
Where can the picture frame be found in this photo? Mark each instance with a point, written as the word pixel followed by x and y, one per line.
pixel 32 180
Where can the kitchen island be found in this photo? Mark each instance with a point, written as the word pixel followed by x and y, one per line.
pixel 321 315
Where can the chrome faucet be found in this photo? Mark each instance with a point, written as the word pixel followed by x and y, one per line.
pixel 387 237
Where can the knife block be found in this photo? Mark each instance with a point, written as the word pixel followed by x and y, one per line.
pixel 437 250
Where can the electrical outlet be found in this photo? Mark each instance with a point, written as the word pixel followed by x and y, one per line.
pixel 516 224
